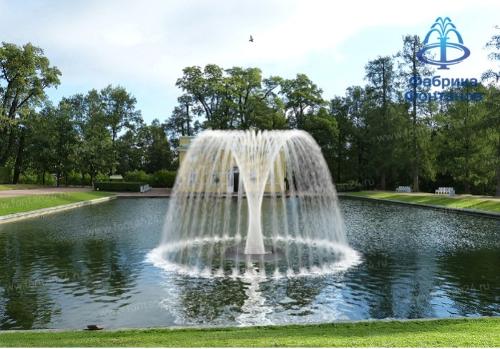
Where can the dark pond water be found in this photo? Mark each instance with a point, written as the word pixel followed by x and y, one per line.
pixel 88 266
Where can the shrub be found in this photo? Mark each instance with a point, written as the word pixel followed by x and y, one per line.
pixel 75 178
pixel 349 186
pixel 100 177
pixel 163 179
pixel 4 175
pixel 119 186
pixel 137 176
pixel 29 177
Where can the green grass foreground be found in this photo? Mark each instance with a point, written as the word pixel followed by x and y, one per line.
pixel 461 201
pixel 28 203
pixel 482 332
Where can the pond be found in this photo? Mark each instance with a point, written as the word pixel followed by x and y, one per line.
pixel 89 266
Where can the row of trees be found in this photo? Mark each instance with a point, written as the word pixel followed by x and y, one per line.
pixel 100 132
pixel 373 136
pixel 378 135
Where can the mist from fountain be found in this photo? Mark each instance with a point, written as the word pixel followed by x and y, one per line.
pixel 210 231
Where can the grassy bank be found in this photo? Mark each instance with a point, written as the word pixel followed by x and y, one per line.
pixel 27 203
pixel 462 201
pixel 19 186
pixel 483 332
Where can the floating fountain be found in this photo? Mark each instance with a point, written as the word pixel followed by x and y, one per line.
pixel 247 203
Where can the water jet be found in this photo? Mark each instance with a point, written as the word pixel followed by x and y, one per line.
pixel 214 224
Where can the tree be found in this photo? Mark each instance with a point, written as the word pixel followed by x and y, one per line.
pixel 493 102
pixel 158 155
pixel 462 142
pixel 411 68
pixel 356 109
pixel 301 96
pixel 206 87
pixel 119 112
pixel 493 45
pixel 25 73
pixel 243 87
pixel 130 151
pixel 339 111
pixel 40 152
pixel 95 146
pixel 380 75
pixel 52 141
pixel 65 141
pixel 180 123
pixel 324 129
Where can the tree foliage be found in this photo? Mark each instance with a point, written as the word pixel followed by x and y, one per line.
pixel 374 135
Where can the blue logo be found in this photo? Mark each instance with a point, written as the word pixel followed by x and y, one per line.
pixel 443 52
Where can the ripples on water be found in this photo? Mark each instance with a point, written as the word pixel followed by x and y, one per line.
pixel 88 266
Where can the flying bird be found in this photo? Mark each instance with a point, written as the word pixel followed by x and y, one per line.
pixel 251 38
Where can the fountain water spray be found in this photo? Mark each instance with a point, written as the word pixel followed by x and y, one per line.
pixel 249 202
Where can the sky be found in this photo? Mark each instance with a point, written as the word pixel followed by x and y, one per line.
pixel 144 45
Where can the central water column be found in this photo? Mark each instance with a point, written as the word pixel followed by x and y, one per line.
pixel 255 155
pixel 255 238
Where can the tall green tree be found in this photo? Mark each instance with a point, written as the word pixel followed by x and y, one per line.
pixel 95 148
pixel 462 142
pixel 493 102
pixel 301 97
pixel 25 74
pixel 158 155
pixel 324 128
pixel 206 87
pixel 380 75
pixel 411 69
pixel 119 111
pixel 339 111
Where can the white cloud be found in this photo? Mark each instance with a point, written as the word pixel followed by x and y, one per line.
pixel 147 43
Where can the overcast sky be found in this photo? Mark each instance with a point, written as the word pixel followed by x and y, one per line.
pixel 144 45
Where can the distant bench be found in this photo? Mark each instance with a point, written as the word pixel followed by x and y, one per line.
pixel 445 191
pixel 144 188
pixel 403 189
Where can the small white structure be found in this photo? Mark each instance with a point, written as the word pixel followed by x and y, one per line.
pixel 144 188
pixel 403 189
pixel 445 191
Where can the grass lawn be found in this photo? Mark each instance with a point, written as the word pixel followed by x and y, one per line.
pixel 462 201
pixel 484 332
pixel 27 203
pixel 19 186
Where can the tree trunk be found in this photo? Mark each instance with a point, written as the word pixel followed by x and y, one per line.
pixel 416 155
pixel 5 155
pixel 497 193
pixel 382 181
pixel 416 184
pixel 19 158
pixel 467 187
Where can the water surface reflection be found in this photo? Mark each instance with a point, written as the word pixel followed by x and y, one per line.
pixel 88 266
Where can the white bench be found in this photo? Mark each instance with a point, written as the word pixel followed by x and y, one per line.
pixel 403 189
pixel 445 191
pixel 145 188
